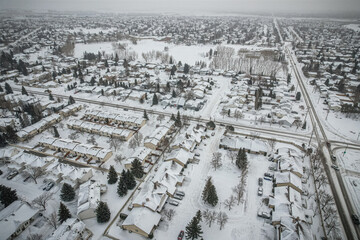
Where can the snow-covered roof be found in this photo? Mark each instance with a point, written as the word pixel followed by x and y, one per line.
pixel 288 177
pixel 151 196
pixel 70 229
pixel 13 216
pixel 89 196
pixel 142 218
pixel 181 155
pixel 239 142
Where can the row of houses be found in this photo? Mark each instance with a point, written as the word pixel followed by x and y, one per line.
pixel 235 143
pixel 68 146
pixel 46 122
pixel 122 118
pixel 100 129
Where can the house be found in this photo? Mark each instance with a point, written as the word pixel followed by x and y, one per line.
pixel 73 229
pixel 15 218
pixel 143 154
pixel 7 153
pixel 180 156
pixel 152 195
pixel 67 111
pixel 142 221
pixel 155 139
pixel 89 196
pixel 251 145
pixel 288 179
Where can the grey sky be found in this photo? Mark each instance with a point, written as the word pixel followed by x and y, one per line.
pixel 188 6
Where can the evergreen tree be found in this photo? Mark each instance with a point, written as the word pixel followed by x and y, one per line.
pixel 241 159
pixel 137 169
pixel 178 120
pixel 56 133
pixel 145 115
pixel 193 229
pixel 186 68
pixel 67 193
pixel 3 142
pixel 130 180
pixel 1 89
pixel 298 96
pixel 71 100
pixel 112 175
pixel 122 188
pixel 51 97
pixel 173 93
pixel 23 91
pixel 304 125
pixel 212 198
pixel 11 134
pixel 102 212
pixel 205 192
pixel 198 216
pixel 7 195
pixel 173 70
pixel 172 117
pixel 8 89
pixel 63 213
pixel 155 100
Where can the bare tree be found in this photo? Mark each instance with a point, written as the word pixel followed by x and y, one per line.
pixel 216 160
pixel 119 158
pixel 238 114
pixel 239 189
pixel 169 213
pixel 230 202
pixel 53 219
pixel 160 117
pixel 326 199
pixel 222 219
pixel 34 236
pixel 132 143
pixel 186 119
pixel 34 173
pixel 73 135
pixel 209 216
pixel 137 138
pixel 42 200
pixel 232 155
pixel 272 143
pixel 115 143
pixel 224 112
pixel 92 140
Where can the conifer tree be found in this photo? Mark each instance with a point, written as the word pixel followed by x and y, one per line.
pixel 198 216
pixel 71 100
pixel 23 91
pixel 8 89
pixel 122 188
pixel 11 134
pixel 173 117
pixel 173 93
pixel 51 97
pixel 205 192
pixel 155 100
pixel 137 169
pixel 212 197
pixel 1 89
pixel 145 115
pixel 130 180
pixel 63 213
pixel 7 195
pixel 178 120
pixel 241 159
pixel 56 133
pixel 102 212
pixel 193 229
pixel 67 193
pixel 112 175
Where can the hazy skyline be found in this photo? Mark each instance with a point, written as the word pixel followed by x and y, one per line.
pixel 188 6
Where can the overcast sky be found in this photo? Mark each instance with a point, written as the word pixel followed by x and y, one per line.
pixel 188 6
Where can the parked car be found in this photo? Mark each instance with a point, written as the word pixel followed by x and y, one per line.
pixel 260 191
pixel 264 215
pixel 260 181
pixel 354 183
pixel 27 178
pixel 335 167
pixel 173 202
pixel 1 172
pixel 178 197
pixel 49 186
pixel 180 193
pixel 12 174
pixel 268 175
pixel 181 235
pixel 333 157
pixel 213 134
pixel 197 154
pixel 355 219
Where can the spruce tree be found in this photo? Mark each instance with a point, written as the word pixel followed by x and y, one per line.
pixel 122 188
pixel 173 93
pixel 8 89
pixel 1 89
pixel 212 197
pixel 145 115
pixel 56 133
pixel 130 180
pixel 102 212
pixel 173 117
pixel 51 97
pixel 304 125
pixel 241 159
pixel 11 134
pixel 193 229
pixel 205 192
pixel 155 100
pixel 178 120
pixel 71 100
pixel 63 213
pixel 137 169
pixel 112 175
pixel 7 195
pixel 67 193
pixel 198 216
pixel 23 91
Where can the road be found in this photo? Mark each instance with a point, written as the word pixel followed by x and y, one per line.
pixel 335 180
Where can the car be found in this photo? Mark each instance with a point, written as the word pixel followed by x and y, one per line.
pixel 260 191
pixel 268 175
pixel 355 219
pixel 271 159
pixel 333 158
pixel 264 215
pixel 197 154
pixel 1 172
pixel 12 174
pixel 49 186
pixel 335 167
pixel 181 235
pixel 178 197
pixel 180 193
pixel 268 178
pixel 260 181
pixel 354 183
pixel 173 202
pixel 212 134
pixel 27 178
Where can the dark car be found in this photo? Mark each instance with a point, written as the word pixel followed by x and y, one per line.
pixel 181 235
pixel 355 219
pixel 260 181
pixel 49 186
pixel 12 175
